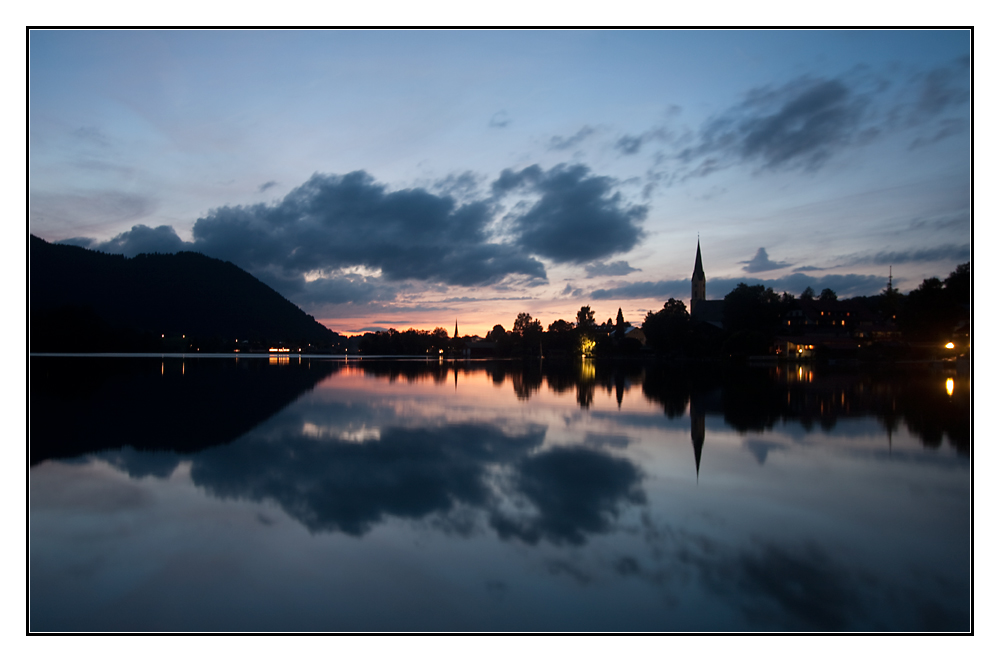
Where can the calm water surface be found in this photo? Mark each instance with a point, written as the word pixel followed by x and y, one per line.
pixel 316 494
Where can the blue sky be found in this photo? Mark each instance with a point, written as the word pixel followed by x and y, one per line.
pixel 410 178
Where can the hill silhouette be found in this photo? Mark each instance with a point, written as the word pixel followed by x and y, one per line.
pixel 85 301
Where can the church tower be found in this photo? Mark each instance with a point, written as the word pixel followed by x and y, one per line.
pixel 697 279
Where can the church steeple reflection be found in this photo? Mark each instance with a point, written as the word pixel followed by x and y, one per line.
pixel 697 432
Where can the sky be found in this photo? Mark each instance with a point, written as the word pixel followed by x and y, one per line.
pixel 405 179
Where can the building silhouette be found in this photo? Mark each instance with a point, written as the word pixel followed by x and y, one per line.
pixel 703 310
pixel 697 279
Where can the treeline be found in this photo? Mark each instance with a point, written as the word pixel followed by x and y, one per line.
pixel 527 337
pixel 753 321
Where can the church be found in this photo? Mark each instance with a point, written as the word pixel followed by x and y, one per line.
pixel 702 309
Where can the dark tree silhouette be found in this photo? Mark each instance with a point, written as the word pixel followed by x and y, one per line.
pixel 668 330
pixel 585 319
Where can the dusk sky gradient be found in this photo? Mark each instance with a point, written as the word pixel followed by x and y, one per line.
pixel 406 179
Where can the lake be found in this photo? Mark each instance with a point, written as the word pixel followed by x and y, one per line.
pixel 320 494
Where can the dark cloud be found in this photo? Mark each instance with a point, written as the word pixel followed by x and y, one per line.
pixel 140 239
pixel 461 185
pixel 344 288
pixel 629 145
pixel 577 218
pixel 806 588
pixel 620 268
pixel 333 224
pixel 335 221
pixel 573 491
pixel 761 262
pixel 350 487
pixel 572 291
pixel 808 268
pixel 950 222
pixel 846 285
pixel 942 89
pixel 801 124
pixel 760 448
pixel 954 252
pixel 499 119
pixel 717 288
pixel 558 143
pixel 663 289
pixel 476 299
pixel 143 464
pixel 797 125
pixel 435 473
pixel 266 185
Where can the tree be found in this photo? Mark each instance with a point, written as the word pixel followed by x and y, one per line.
pixel 958 285
pixel 620 326
pixel 752 313
pixel 497 334
pixel 668 330
pixel 827 295
pixel 808 294
pixel 675 307
pixel 585 319
pixel 525 325
pixel 528 331
pixel 560 336
pixel 560 326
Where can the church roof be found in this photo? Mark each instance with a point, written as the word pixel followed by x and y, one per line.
pixel 699 272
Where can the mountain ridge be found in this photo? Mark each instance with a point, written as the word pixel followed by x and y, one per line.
pixel 85 300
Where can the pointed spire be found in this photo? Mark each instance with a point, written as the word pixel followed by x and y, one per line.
pixel 697 414
pixel 456 327
pixel 699 272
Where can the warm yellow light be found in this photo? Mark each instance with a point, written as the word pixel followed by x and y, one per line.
pixel 800 350
pixel 949 385
pixel 440 351
pixel 950 345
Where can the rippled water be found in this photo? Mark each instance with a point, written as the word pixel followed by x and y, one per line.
pixel 316 494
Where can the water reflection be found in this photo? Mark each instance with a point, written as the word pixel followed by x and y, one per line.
pixel 585 495
pixel 82 405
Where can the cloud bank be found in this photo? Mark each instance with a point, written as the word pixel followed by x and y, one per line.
pixel 348 238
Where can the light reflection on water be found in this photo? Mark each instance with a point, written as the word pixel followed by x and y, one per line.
pixel 495 496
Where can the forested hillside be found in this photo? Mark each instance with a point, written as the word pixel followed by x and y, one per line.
pixel 83 300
